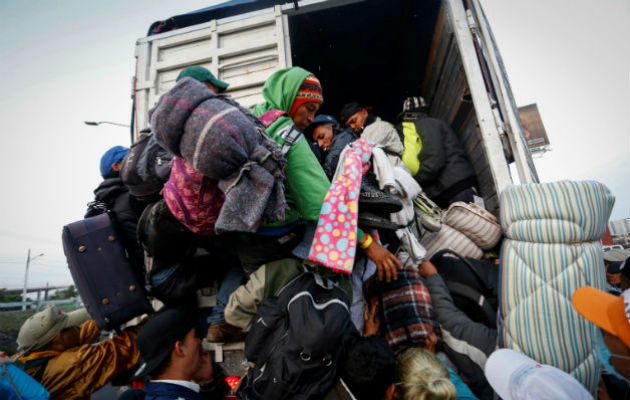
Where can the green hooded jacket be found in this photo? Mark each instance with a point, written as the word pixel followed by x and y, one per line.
pixel 306 183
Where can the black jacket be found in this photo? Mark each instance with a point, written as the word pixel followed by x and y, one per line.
pixel 341 138
pixel 444 168
pixel 125 210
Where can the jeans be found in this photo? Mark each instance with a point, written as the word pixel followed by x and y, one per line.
pixel 233 278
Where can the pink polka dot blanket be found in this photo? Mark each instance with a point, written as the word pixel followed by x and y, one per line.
pixel 335 241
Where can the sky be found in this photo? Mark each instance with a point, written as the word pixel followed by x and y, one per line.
pixel 68 61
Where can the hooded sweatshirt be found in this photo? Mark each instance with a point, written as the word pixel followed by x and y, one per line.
pixel 306 183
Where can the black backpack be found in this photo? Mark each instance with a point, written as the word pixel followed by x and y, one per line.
pixel 146 167
pixel 473 284
pixel 296 340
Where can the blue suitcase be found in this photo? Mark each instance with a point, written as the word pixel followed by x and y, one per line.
pixel 102 273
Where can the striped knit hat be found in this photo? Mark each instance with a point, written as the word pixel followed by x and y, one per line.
pixel 310 91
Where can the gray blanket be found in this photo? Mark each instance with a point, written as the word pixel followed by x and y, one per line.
pixel 225 142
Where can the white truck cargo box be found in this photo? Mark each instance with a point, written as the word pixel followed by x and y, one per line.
pixel 374 51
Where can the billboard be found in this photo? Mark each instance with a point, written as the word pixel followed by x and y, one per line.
pixel 533 127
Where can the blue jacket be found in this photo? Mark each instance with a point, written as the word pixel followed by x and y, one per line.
pixel 169 391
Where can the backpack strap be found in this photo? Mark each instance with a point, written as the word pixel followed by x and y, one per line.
pixel 290 138
pixel 472 294
pixel 41 362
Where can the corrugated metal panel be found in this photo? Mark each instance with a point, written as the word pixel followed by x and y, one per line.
pixel 242 52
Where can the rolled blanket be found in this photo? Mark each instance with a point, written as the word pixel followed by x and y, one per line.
pixel 224 142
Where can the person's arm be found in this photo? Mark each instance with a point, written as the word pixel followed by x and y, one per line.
pixel 91 366
pixel 432 155
pixel 451 318
pixel 245 300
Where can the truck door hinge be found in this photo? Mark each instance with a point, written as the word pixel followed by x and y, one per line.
pixel 472 24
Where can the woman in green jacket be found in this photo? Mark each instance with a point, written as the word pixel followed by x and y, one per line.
pixel 299 93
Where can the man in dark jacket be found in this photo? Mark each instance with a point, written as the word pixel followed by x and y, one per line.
pixel 444 171
pixel 331 138
pixel 113 196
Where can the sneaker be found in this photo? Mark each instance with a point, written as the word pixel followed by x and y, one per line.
pixel 374 200
pixel 222 332
pixel 371 220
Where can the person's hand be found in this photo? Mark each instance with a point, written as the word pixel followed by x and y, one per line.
pixel 386 262
pixel 204 374
pixel 371 319
pixel 427 268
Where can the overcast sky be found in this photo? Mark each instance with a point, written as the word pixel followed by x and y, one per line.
pixel 64 62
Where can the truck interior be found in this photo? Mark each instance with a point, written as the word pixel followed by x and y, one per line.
pixel 386 61
pixel 394 49
pixel 375 52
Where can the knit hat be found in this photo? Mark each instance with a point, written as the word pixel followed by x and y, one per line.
pixel 112 156
pixel 609 312
pixel 310 91
pixel 42 327
pixel 202 75
pixel 414 104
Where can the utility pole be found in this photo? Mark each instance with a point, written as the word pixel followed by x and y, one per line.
pixel 28 262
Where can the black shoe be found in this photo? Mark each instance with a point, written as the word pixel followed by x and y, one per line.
pixel 374 200
pixel 371 220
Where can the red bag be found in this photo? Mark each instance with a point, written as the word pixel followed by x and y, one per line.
pixel 195 200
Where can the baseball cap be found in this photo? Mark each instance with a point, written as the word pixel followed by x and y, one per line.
pixel 320 119
pixel 514 376
pixel 202 75
pixel 609 312
pixel 159 334
pixel 42 327
pixel 112 156
pixel 615 255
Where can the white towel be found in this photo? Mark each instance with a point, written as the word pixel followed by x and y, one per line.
pixel 405 189
pixel 383 170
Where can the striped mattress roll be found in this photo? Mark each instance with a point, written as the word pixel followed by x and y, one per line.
pixel 558 212
pixel 536 316
pixel 552 251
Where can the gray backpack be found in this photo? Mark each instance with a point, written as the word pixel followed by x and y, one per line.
pixel 146 167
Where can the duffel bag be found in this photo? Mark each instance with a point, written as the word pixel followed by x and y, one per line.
pixel 475 222
pixel 449 238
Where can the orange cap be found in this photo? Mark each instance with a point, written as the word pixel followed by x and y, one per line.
pixel 609 312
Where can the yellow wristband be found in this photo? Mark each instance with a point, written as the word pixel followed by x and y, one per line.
pixel 368 241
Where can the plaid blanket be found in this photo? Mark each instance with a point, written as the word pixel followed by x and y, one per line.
pixel 224 142
pixel 407 311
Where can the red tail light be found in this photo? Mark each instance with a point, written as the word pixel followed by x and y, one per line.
pixel 232 381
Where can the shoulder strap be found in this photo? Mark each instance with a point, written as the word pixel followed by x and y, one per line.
pixel 474 295
pixel 290 139
pixel 41 362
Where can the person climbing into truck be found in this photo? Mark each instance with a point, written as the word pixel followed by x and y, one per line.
pixel 331 138
pixel 367 125
pixel 204 76
pixel 435 156
pixel 297 94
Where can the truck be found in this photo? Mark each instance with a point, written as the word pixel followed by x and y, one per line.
pixel 378 52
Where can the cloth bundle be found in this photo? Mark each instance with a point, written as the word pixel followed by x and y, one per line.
pixel 224 142
pixel 552 249
pixel 335 240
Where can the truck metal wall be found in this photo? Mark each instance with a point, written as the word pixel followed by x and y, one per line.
pixel 243 52
pixel 455 90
